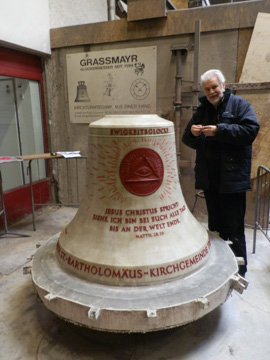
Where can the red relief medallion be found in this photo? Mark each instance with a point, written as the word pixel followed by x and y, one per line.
pixel 141 171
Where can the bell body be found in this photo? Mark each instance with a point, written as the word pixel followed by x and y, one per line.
pixel 133 226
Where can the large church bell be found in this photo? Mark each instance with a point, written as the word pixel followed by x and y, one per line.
pixel 134 259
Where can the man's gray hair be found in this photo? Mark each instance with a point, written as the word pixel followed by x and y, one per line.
pixel 210 73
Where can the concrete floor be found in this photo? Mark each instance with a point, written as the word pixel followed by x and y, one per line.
pixel 239 329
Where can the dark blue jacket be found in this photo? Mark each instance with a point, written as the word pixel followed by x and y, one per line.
pixel 237 127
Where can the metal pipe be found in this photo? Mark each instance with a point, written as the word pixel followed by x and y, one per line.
pixel 196 62
pixel 111 9
pixel 179 51
pixel 178 103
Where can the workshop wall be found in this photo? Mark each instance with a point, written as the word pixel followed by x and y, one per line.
pixel 69 136
pixel 222 48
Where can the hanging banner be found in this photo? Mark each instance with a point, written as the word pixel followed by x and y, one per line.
pixel 111 82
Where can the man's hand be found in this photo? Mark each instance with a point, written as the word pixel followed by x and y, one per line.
pixel 196 130
pixel 209 130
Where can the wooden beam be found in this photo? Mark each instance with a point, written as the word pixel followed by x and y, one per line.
pixel 145 9
pixel 213 18
pixel 244 36
pixel 180 4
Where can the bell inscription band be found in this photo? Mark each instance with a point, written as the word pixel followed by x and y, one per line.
pixel 134 259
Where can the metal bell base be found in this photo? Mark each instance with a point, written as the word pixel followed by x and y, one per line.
pixel 141 308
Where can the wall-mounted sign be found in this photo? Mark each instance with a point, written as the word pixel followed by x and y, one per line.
pixel 111 82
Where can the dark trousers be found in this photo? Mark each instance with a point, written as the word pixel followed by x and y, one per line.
pixel 226 214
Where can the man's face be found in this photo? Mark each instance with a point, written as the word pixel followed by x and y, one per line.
pixel 213 90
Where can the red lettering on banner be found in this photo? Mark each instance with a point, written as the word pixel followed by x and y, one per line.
pixel 116 220
pixel 174 213
pixel 126 229
pixel 182 265
pixel 173 222
pixel 139 132
pixel 100 218
pixel 157 226
pixel 169 207
pixel 159 218
pixel 140 228
pixel 136 215
pixel 144 220
pixel 114 228
pixel 152 273
pixel 176 268
pixel 143 235
pixel 116 273
pixel 113 211
pixel 162 271
pixel 61 253
pixel 140 212
pixel 183 208
pixel 127 273
pixel 87 268
pixel 131 221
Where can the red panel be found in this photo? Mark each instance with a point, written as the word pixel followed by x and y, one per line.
pixel 16 64
pixel 18 201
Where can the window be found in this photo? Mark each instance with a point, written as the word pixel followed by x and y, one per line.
pixel 22 129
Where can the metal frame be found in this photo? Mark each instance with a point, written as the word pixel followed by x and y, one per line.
pixel 198 195
pixel 3 213
pixel 262 203
pixel 57 202
pixel 232 86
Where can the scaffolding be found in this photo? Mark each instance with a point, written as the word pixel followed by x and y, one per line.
pixel 261 220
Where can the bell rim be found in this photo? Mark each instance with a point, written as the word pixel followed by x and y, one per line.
pixel 130 308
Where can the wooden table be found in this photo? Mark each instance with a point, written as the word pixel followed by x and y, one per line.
pixel 30 158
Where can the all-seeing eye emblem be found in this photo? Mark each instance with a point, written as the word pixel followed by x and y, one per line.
pixel 141 171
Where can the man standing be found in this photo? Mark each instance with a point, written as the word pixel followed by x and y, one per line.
pixel 222 131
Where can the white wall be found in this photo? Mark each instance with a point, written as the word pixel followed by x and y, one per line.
pixel 76 12
pixel 26 24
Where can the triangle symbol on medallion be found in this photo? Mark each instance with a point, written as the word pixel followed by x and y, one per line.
pixel 143 172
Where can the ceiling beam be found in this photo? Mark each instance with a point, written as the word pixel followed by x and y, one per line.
pixel 231 16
